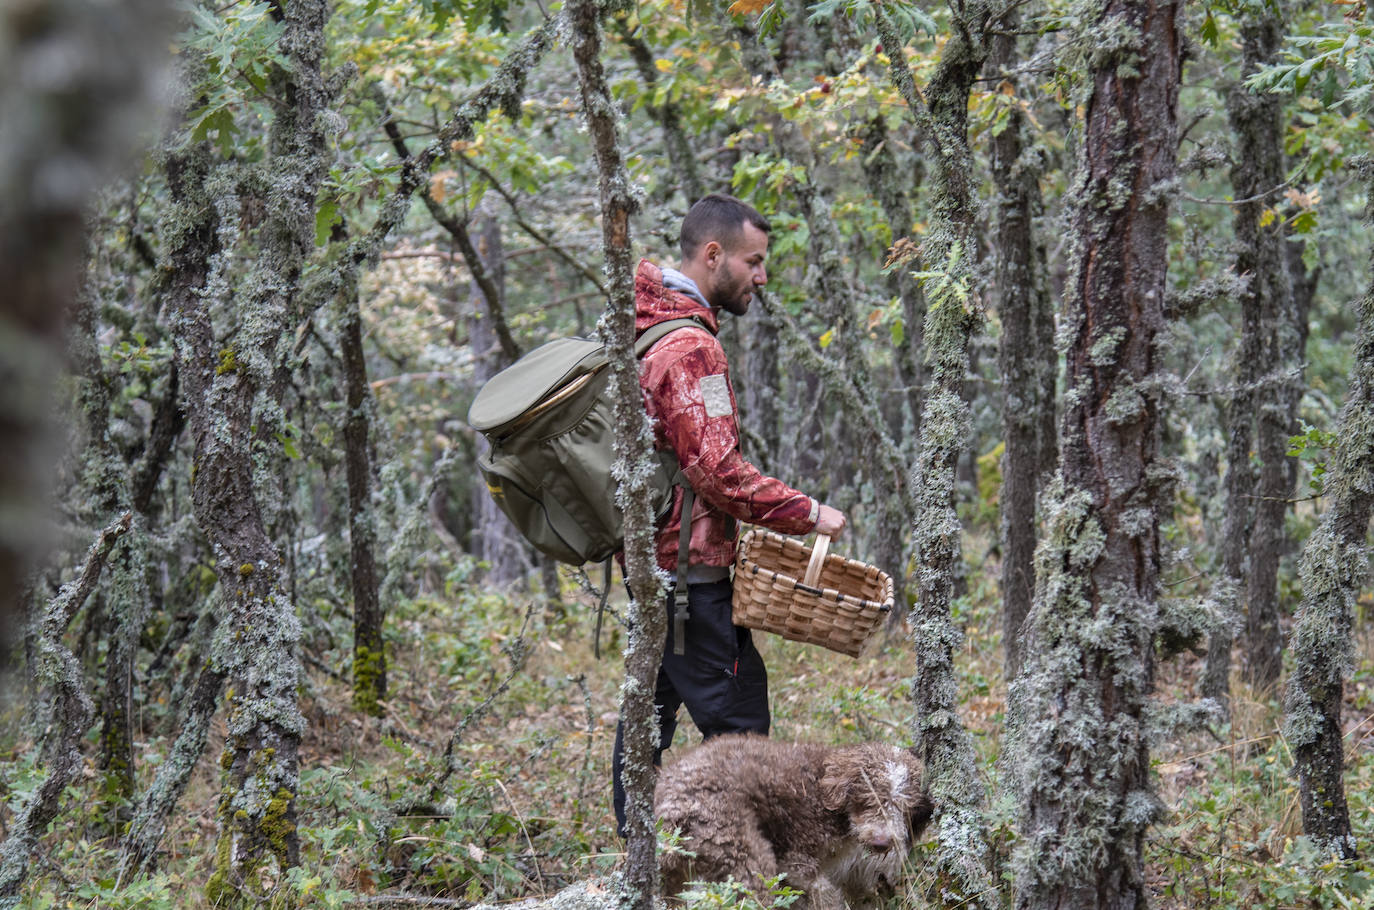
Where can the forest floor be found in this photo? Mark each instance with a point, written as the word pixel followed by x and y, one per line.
pixel 523 809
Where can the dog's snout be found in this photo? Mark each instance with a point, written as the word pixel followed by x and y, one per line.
pixel 881 842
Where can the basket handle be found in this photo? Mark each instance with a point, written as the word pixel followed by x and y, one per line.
pixel 813 568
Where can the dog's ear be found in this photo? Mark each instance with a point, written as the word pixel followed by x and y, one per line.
pixel 834 786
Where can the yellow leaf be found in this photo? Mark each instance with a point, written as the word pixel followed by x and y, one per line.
pixel 825 339
pixel 748 7
pixel 1267 217
pixel 664 66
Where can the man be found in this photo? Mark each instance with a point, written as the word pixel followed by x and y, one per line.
pixel 719 675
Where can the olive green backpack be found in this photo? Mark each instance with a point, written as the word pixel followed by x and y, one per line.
pixel 549 420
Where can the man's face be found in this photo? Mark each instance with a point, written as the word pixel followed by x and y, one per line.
pixel 738 271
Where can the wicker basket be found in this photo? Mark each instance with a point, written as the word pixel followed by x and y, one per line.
pixel 798 592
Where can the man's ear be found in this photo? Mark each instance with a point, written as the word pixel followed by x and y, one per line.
pixel 711 253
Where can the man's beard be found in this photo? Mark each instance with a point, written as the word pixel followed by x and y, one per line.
pixel 731 295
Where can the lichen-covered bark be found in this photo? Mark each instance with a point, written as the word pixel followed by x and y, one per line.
pixel 1079 742
pixel 149 821
pixel 67 717
pixel 105 487
pixel 1334 568
pixel 369 652
pixel 232 391
pixel 1027 317
pixel 633 467
pixel 65 127
pixel 258 655
pixel 891 188
pixel 1249 565
pixel 952 316
pixel 887 184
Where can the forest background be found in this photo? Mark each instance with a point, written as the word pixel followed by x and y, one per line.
pixel 1069 310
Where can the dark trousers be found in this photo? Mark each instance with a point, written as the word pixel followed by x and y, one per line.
pixel 720 678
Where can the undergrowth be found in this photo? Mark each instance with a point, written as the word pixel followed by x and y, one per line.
pixel 523 807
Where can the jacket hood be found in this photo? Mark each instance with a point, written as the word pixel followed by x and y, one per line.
pixel 655 303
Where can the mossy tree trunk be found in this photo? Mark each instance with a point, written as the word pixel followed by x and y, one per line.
pixel 191 241
pixel 1078 711
pixel 233 390
pixel 633 467
pixel 369 652
pixel 1027 317
pixel 105 483
pixel 889 186
pixel 1249 565
pixel 1334 569
pixel 947 259
pixel 67 712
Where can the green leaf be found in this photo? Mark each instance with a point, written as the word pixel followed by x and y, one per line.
pixel 326 216
pixel 1304 222
pixel 1209 33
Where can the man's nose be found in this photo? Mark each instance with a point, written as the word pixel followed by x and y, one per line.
pixel 760 276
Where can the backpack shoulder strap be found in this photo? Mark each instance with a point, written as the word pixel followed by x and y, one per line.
pixel 654 333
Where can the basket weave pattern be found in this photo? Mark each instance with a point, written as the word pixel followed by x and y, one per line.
pixel 839 613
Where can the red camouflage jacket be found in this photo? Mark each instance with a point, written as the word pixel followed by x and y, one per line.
pixel 687 392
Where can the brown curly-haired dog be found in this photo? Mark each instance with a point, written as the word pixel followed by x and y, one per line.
pixel 838 820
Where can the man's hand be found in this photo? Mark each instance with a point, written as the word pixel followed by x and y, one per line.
pixel 830 522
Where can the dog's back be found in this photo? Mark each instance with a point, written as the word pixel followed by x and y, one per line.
pixel 836 820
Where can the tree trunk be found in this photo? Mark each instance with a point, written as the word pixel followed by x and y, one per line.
pixel 495 540
pixel 761 391
pixel 1335 567
pixel 948 251
pixel 1079 708
pixel 258 654
pixel 1024 309
pixel 644 653
pixel 1256 120
pixel 1252 530
pixel 69 716
pixel 105 486
pixel 369 653
pixel 150 820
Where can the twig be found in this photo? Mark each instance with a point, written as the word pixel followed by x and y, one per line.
pixel 529 841
pixel 414 377
pixel 404 899
pixel 1258 197
pixel 534 232
pixel 1244 742
pixel 519 652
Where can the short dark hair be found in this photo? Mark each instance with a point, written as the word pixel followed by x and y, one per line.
pixel 720 218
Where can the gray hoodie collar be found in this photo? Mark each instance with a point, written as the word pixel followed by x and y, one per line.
pixel 676 281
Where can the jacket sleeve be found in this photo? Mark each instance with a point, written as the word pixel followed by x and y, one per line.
pixel 689 394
